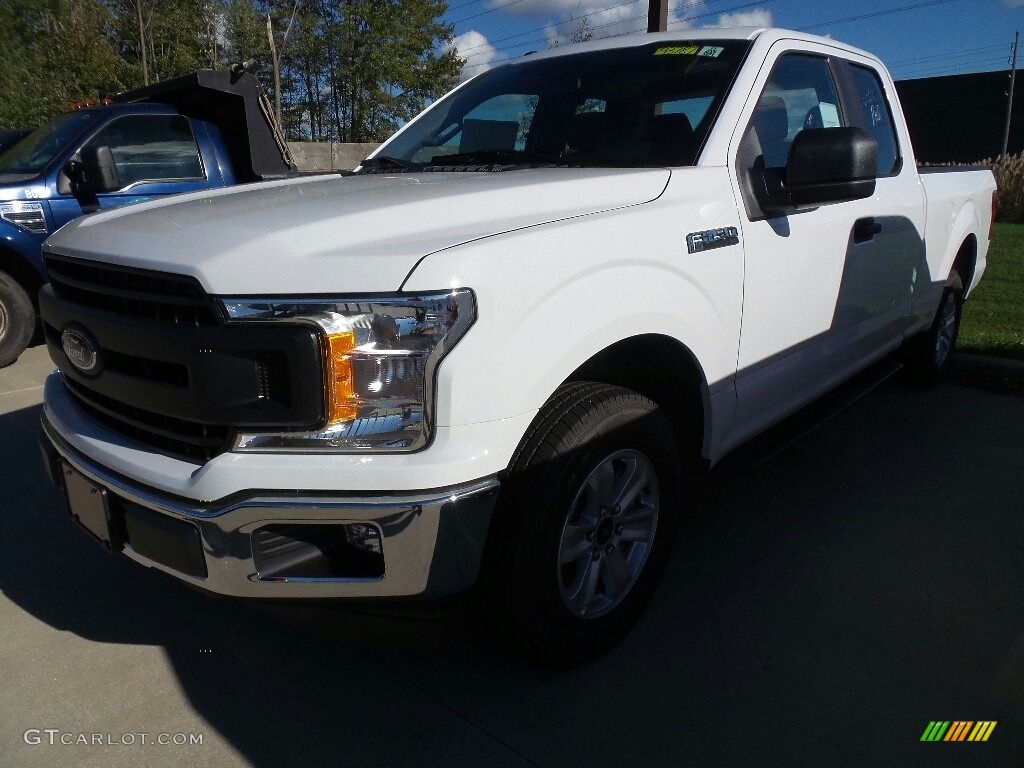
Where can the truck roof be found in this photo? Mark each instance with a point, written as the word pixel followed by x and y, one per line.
pixel 764 34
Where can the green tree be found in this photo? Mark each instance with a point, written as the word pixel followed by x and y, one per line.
pixel 160 39
pixel 246 39
pixel 54 53
pixel 387 63
pixel 245 34
pixel 351 70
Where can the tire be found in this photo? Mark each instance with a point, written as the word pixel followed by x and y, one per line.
pixel 930 355
pixel 17 319
pixel 584 524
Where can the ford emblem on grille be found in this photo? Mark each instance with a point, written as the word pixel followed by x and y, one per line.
pixel 80 349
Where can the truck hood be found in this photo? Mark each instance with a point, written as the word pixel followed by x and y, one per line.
pixel 341 234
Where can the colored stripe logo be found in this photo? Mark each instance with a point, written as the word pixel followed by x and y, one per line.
pixel 958 730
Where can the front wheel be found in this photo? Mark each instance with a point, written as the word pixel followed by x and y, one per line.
pixel 17 319
pixel 584 523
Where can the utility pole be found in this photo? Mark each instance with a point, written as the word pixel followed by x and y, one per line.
pixel 657 15
pixel 1009 102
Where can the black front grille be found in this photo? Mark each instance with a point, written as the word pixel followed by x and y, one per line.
pixel 172 375
pixel 189 440
pixel 134 292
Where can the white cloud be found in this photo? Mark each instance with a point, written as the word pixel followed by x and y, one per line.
pixel 758 18
pixel 1013 3
pixel 601 21
pixel 535 7
pixel 479 54
pixel 597 21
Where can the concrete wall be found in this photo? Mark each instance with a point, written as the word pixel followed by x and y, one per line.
pixel 315 156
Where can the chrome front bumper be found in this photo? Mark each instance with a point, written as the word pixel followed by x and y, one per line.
pixel 432 542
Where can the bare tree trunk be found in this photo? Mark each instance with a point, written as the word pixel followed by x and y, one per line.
pixel 276 58
pixel 277 73
pixel 142 44
pixel 152 47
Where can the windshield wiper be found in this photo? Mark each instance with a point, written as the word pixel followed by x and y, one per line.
pixel 513 158
pixel 386 161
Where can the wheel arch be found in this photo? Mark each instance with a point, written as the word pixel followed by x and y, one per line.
pixel 26 275
pixel 665 371
pixel 960 250
pixel 966 261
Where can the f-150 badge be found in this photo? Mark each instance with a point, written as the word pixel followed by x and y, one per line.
pixel 712 238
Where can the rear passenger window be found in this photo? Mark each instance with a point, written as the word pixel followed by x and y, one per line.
pixel 876 117
pixel 800 94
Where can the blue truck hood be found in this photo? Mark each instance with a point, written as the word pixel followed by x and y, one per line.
pixel 22 187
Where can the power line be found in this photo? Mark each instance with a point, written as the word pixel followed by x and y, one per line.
pixel 874 15
pixel 484 13
pixel 591 13
pixel 968 60
pixel 987 65
pixel 849 19
pixel 948 54
pixel 722 12
pixel 557 24
pixel 617 22
pixel 462 5
pixel 499 7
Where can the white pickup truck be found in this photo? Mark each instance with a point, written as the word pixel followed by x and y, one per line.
pixel 487 357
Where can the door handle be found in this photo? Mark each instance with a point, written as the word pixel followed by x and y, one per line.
pixel 865 230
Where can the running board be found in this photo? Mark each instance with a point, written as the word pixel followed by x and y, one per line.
pixel 792 430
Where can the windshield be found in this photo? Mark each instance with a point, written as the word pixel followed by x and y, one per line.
pixel 33 153
pixel 650 105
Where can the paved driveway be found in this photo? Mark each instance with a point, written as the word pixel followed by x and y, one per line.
pixel 826 606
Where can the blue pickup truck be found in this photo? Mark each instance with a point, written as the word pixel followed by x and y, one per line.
pixel 204 130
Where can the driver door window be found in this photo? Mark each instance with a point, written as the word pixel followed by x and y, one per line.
pixel 800 94
pixel 151 148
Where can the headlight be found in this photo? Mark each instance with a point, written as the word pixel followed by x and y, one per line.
pixel 380 358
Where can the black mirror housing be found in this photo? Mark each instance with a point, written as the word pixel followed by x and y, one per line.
pixel 825 165
pixel 823 156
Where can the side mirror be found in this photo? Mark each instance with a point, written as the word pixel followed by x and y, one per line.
pixel 99 173
pixel 71 180
pixel 825 165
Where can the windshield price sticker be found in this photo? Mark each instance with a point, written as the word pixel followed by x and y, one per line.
pixel 711 51
pixel 678 50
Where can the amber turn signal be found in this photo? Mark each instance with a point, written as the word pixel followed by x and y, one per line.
pixel 339 383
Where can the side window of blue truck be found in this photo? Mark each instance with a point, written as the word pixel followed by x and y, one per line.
pixel 152 148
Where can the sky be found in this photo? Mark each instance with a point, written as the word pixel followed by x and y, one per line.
pixel 915 38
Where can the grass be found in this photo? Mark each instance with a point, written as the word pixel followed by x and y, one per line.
pixel 993 321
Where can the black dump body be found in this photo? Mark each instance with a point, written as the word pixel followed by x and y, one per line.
pixel 236 104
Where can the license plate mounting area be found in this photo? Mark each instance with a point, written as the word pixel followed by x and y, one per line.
pixel 89 505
